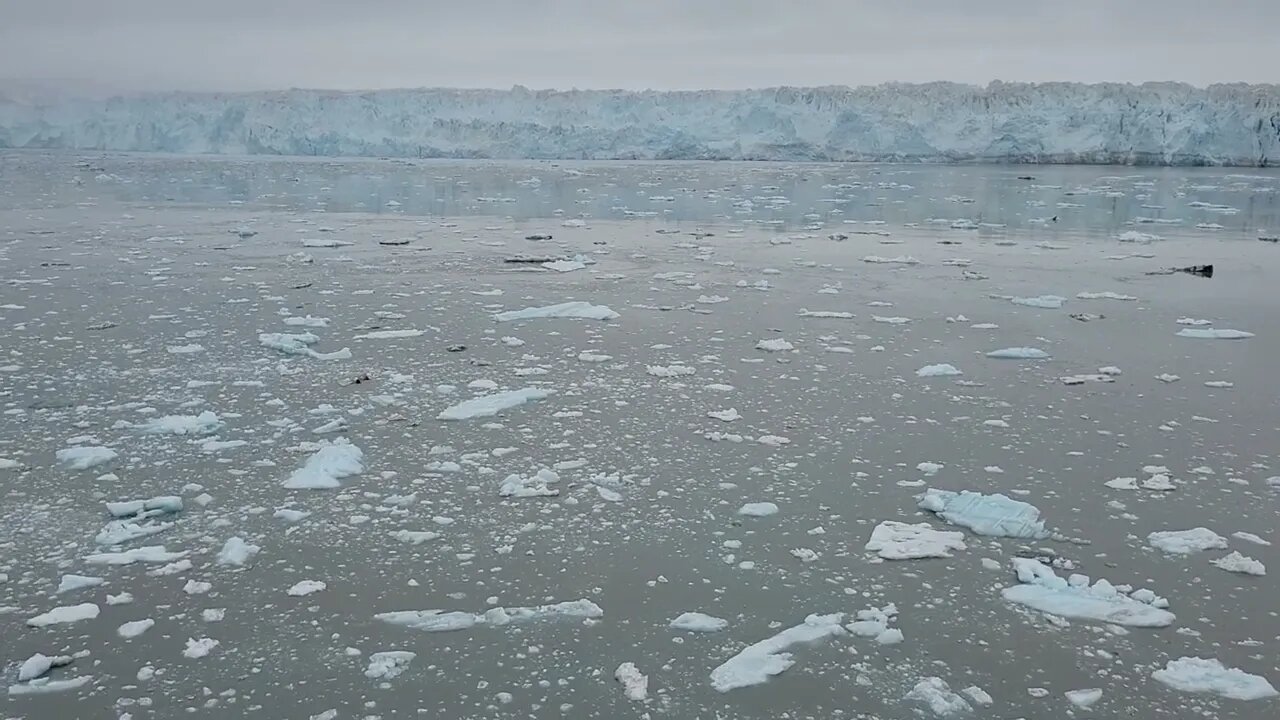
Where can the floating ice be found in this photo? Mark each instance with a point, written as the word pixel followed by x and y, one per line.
pixel 1214 334
pixel 85 457
pixel 326 467
pixel 775 345
pixel 1106 295
pixel 235 551
pixel 935 694
pixel 1018 353
pixel 1047 302
pixel 756 663
pixel 148 554
pixel 199 648
pixel 698 622
pixel 1185 542
pixel 899 260
pixel 993 515
pixel 1201 675
pixel 669 371
pixel 389 334
pixel 65 614
pixel 940 370
pixel 442 621
pixel 580 310
pixel 490 405
pixel 830 314
pixel 133 629
pixel 389 664
pixel 306 321
pixel 203 424
pixel 635 684
pixel 39 664
pixel 894 540
pixel 1084 699
pixel 300 344
pixel 145 508
pixel 725 415
pixel 536 485
pixel 45 685
pixel 1041 589
pixel 1237 563
pixel 302 588
pixel 759 509
pixel 71 583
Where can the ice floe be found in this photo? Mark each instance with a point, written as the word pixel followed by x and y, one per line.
pixel 1214 334
pixel 1041 589
pixel 1018 353
pixel 756 663
pixel 1202 675
pixel 698 622
pixel 490 405
pixel 65 614
pixel 326 467
pixel 993 515
pixel 300 344
pixel 1185 542
pixel 450 621
pixel 579 310
pixel 894 540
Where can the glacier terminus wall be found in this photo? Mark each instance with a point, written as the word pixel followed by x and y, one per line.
pixel 1149 124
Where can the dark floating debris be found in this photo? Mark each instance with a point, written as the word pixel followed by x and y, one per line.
pixel 537 237
pixel 456 348
pixel 1269 238
pixel 106 325
pixel 1026 177
pixel 1205 271
pixel 394 241
pixel 1087 317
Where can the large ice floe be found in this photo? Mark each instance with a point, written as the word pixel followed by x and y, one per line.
pixel 490 405
pixel 327 466
pixel 448 621
pixel 1201 675
pixel 992 515
pixel 573 310
pixel 1041 589
pixel 757 662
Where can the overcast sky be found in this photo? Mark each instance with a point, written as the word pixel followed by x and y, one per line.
pixel 662 44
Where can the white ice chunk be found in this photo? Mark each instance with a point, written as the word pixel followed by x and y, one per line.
pixel 327 466
pixel 1084 699
pixel 758 509
pixel 490 405
pixel 235 551
pixel 76 582
pixel 894 540
pixel 65 614
pixel 935 694
pixel 203 424
pixel 635 684
pixel 199 648
pixel 85 457
pixel 1018 353
pixel 1041 589
pixel 993 515
pixel 43 685
pixel 775 345
pixel 940 370
pixel 300 344
pixel 1047 302
pixel 1201 675
pixel 442 621
pixel 756 663
pixel 536 485
pixel 39 664
pixel 133 629
pixel 1185 542
pixel 389 664
pixel 1214 334
pixel 579 310
pixel 1237 563
pixel 698 622
pixel 303 588
pixel 149 554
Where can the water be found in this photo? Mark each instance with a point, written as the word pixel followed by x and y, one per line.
pixel 102 277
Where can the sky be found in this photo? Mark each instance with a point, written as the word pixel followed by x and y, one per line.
pixel 227 45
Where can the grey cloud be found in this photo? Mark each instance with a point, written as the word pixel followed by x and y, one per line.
pixel 664 44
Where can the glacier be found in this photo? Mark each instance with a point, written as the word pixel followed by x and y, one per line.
pixel 1147 124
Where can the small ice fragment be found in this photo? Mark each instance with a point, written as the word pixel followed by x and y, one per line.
pixel 775 345
pixel 935 695
pixel 199 648
pixel 758 509
pixel 1018 353
pixel 76 582
pixel 235 551
pixel 698 622
pixel 306 587
pixel 1083 699
pixel 389 664
pixel 133 629
pixel 940 370
pixel 635 684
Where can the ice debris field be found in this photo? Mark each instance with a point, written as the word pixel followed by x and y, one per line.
pixel 377 439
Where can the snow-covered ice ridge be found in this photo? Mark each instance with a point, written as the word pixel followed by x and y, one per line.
pixel 1148 124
